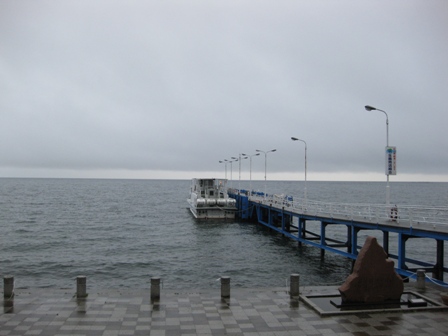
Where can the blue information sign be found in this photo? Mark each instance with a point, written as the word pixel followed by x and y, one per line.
pixel 391 160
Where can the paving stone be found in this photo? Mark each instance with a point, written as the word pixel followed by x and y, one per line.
pixel 260 312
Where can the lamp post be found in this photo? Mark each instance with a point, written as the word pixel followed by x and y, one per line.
pixel 250 171
pixel 225 164
pixel 371 108
pixel 297 139
pixel 265 165
pixel 239 164
pixel 231 177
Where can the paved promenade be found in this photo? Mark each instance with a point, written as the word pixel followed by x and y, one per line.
pixel 201 312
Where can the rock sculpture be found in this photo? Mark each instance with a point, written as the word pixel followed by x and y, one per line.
pixel 373 279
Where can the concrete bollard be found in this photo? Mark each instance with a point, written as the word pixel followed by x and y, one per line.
pixel 155 288
pixel 294 285
pixel 81 286
pixel 8 286
pixel 225 286
pixel 421 283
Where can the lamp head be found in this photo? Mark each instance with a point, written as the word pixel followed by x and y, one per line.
pixel 294 139
pixel 369 108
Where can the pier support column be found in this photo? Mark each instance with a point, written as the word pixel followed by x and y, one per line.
pixel 81 286
pixel 386 242
pixel 354 243
pixel 438 267
pixel 283 220
pixel 8 286
pixel 349 239
pixel 323 227
pixel 420 279
pixel 301 230
pixel 402 238
pixel 294 285
pixel 155 288
pixel 288 224
pixel 225 287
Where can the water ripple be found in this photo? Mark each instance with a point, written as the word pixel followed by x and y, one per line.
pixel 120 233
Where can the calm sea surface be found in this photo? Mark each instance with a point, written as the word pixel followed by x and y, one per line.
pixel 120 233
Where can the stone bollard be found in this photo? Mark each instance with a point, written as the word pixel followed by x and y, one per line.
pixel 421 279
pixel 81 286
pixel 8 286
pixel 225 286
pixel 155 288
pixel 294 285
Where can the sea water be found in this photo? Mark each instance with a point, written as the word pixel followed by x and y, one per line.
pixel 120 233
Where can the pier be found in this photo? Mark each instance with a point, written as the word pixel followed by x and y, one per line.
pixel 336 227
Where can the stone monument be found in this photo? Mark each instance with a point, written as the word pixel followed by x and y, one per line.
pixel 373 279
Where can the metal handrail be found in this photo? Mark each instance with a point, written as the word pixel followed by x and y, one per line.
pixel 433 218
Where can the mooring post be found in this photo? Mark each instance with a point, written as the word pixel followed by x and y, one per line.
pixel 225 286
pixel 294 280
pixel 8 286
pixel 155 288
pixel 421 279
pixel 81 286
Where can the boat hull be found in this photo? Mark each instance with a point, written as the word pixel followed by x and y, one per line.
pixel 214 212
pixel 209 199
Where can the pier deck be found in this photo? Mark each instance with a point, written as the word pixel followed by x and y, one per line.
pixel 335 227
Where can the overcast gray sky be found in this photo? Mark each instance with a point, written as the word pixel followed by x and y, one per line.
pixel 167 89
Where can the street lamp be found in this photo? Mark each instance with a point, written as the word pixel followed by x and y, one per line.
pixel 371 108
pixel 250 171
pixel 239 161
pixel 265 165
pixel 225 164
pixel 297 139
pixel 231 177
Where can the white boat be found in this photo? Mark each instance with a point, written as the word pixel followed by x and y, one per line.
pixel 209 199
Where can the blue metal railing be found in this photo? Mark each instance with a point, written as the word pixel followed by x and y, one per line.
pixel 425 218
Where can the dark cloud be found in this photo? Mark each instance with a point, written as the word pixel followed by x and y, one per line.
pixel 90 87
